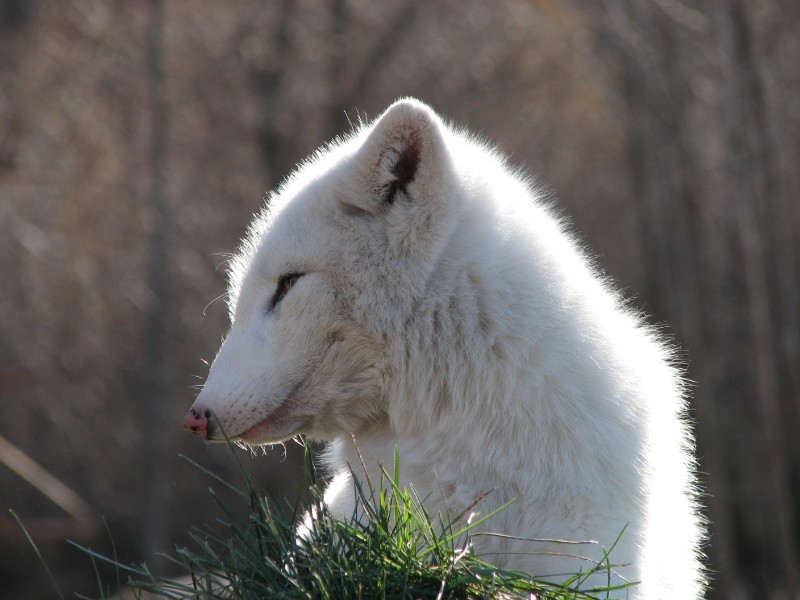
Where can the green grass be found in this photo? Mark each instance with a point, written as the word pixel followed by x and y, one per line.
pixel 396 550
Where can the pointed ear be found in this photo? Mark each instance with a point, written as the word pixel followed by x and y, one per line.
pixel 401 155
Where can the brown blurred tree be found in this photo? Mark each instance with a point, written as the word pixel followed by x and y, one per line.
pixel 668 129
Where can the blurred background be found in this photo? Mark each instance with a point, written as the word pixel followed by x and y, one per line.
pixel 138 138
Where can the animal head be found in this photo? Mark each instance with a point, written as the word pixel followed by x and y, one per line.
pixel 329 273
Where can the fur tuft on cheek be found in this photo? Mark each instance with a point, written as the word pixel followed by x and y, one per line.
pixel 344 392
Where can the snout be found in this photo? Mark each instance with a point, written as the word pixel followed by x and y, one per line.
pixel 197 421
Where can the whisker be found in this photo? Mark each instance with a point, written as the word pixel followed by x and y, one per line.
pixel 220 297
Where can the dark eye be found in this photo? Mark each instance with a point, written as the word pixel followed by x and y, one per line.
pixel 285 283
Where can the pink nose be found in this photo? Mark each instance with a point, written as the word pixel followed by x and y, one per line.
pixel 196 421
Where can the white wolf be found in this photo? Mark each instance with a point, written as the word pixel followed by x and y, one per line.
pixel 405 286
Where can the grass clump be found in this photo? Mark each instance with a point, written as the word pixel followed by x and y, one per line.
pixel 391 548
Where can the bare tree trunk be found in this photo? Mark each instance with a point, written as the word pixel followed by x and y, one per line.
pixel 780 215
pixel 353 88
pixel 665 182
pixel 155 536
pixel 747 193
pixel 268 82
pixel 337 56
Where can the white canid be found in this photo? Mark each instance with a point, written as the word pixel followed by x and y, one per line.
pixel 406 286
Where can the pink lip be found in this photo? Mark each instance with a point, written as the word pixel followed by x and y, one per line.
pixel 256 431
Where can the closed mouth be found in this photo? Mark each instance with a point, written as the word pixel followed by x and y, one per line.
pixel 255 432
pixel 276 417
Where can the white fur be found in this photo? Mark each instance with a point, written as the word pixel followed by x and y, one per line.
pixel 454 318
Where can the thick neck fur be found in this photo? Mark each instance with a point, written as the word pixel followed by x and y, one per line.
pixel 458 354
